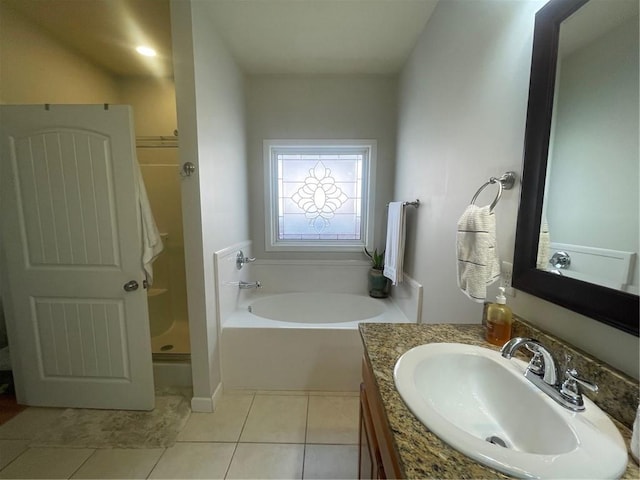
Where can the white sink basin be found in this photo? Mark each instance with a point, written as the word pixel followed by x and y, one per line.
pixel 469 396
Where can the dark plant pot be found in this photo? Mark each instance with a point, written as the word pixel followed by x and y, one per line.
pixel 379 285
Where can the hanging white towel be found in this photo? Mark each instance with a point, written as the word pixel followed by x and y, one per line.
pixel 544 246
pixel 151 242
pixel 478 262
pixel 394 251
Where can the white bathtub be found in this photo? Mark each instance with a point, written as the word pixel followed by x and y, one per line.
pixel 299 341
pixel 314 310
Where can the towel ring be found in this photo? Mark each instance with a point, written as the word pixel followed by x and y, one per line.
pixel 505 182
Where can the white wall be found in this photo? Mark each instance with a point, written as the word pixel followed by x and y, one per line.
pixel 462 107
pixel 463 99
pixel 209 92
pixel 320 107
pixel 154 104
pixel 35 68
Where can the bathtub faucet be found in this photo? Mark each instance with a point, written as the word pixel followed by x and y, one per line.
pixel 247 285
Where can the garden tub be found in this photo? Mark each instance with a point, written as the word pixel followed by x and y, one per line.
pixel 299 341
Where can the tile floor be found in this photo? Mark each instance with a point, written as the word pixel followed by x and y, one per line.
pixel 291 435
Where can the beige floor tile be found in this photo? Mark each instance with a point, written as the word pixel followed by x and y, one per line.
pixel 47 463
pixel 283 392
pixel 334 394
pixel 330 461
pixel 120 463
pixel 27 423
pixel 194 460
pixel 239 391
pixel 9 450
pixel 267 460
pixel 223 425
pixel 277 419
pixel 333 420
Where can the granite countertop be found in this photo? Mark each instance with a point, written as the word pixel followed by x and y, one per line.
pixel 421 453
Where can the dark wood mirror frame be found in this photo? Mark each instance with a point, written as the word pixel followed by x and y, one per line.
pixel 612 307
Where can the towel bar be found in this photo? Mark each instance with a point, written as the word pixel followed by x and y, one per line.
pixel 412 204
pixel 505 182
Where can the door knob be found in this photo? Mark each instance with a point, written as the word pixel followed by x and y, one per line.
pixel 130 286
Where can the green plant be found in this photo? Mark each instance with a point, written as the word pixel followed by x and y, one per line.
pixel 377 259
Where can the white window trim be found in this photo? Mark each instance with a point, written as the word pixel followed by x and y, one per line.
pixel 272 244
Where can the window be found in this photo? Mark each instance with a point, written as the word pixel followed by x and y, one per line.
pixel 319 196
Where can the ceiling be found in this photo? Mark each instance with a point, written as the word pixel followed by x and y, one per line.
pixel 107 31
pixel 320 36
pixel 265 36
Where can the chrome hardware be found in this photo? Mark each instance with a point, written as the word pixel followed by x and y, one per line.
pixel 508 180
pixel 560 260
pixel 542 372
pixel 571 387
pixel 505 182
pixel 410 204
pixel 188 169
pixel 130 286
pixel 241 260
pixel 542 362
pixel 248 285
pixel 536 365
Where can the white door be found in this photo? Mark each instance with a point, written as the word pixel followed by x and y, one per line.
pixel 71 240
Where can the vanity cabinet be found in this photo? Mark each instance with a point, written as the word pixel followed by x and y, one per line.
pixel 377 458
pixel 369 461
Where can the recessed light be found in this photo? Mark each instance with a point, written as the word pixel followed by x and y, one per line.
pixel 146 51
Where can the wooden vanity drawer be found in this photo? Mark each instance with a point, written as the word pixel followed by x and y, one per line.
pixel 375 436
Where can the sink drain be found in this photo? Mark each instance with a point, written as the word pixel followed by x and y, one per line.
pixel 166 348
pixel 496 441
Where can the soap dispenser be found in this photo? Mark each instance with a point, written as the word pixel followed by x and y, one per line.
pixel 499 319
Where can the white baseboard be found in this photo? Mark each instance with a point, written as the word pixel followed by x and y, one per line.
pixel 207 404
pixel 202 404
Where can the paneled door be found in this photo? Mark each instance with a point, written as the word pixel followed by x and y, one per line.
pixel 72 279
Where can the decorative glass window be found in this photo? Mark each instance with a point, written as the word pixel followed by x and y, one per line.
pixel 319 196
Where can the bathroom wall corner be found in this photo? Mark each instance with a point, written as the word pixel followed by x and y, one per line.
pixel 408 298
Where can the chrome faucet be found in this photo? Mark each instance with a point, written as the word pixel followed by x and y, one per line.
pixel 248 285
pixel 542 363
pixel 543 373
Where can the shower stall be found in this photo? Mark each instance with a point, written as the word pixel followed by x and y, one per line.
pixel 167 296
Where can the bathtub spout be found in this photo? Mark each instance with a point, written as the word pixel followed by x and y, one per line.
pixel 247 285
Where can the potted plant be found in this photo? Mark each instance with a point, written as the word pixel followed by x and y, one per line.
pixel 379 285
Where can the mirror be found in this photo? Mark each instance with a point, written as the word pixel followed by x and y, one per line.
pixel 579 203
pixel 594 137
